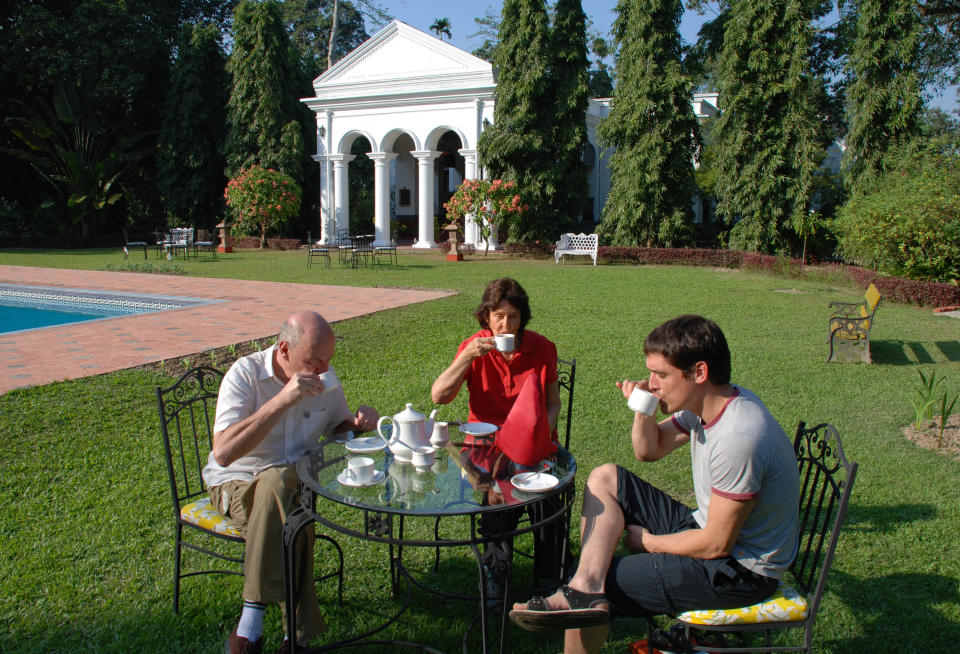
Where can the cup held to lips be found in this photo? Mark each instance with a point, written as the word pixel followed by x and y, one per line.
pixel 360 469
pixel 643 402
pixel 329 380
pixel 505 342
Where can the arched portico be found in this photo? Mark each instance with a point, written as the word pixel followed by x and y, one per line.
pixel 421 104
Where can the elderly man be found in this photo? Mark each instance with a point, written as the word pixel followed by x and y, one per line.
pixel 272 406
pixel 728 552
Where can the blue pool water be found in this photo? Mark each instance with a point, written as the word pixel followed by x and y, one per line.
pixel 32 307
pixel 14 319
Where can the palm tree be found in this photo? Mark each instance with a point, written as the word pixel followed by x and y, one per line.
pixel 441 26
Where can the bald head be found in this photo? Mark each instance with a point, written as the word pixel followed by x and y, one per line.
pixel 309 323
pixel 305 344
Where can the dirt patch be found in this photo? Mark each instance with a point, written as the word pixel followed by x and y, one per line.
pixel 929 436
pixel 220 358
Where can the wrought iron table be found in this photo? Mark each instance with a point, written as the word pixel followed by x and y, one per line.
pixel 458 485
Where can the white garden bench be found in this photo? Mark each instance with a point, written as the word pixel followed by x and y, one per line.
pixel 577 245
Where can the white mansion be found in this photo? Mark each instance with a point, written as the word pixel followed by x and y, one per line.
pixel 421 104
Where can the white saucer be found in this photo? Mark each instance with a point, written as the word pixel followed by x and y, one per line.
pixel 534 482
pixel 365 445
pixel 378 476
pixel 478 428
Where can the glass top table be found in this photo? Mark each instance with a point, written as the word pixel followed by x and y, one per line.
pixel 461 481
pixel 465 480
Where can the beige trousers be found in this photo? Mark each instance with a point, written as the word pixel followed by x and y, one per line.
pixel 258 509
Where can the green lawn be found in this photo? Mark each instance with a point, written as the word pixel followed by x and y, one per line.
pixel 84 502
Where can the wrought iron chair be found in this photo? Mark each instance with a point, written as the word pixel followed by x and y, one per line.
pixel 316 250
pixel 567 371
pixel 826 482
pixel 187 410
pixel 129 245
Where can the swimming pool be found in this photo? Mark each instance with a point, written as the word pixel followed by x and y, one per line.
pixel 23 308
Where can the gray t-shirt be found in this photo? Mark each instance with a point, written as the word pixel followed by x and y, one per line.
pixel 745 454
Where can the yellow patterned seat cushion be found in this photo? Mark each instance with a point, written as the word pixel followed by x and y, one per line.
pixel 203 514
pixel 785 605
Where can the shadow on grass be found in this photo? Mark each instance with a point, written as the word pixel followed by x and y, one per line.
pixel 896 612
pixel 882 519
pixel 950 349
pixel 899 353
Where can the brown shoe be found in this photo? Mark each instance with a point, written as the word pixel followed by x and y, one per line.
pixel 284 647
pixel 239 645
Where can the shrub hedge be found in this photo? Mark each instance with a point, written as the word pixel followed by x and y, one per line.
pixel 895 289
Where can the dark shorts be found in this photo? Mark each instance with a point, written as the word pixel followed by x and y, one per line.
pixel 657 584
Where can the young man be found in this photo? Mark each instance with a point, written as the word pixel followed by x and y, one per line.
pixel 271 408
pixel 728 552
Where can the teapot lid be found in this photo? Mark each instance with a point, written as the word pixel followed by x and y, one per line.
pixel 409 415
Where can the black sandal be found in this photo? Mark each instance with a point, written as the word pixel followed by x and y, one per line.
pixel 582 613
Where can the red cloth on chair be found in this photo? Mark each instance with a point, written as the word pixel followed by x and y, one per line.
pixel 525 436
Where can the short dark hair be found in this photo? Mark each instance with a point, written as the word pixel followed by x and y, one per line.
pixel 686 340
pixel 499 290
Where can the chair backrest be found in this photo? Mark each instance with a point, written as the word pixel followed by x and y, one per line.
pixel 826 481
pixel 872 298
pixel 187 410
pixel 567 375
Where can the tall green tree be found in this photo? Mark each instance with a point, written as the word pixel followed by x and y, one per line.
pixel 883 100
pixel 767 135
pixel 309 24
pixel 571 95
pixel 264 97
pixel 120 54
pixel 518 146
pixel 190 161
pixel 653 128
pixel 441 27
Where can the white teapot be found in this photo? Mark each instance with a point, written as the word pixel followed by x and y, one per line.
pixel 410 430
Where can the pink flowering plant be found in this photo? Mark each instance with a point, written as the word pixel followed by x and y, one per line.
pixel 261 199
pixel 493 204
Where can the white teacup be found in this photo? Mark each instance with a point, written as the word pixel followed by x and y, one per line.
pixel 505 342
pixel 329 380
pixel 643 402
pixel 422 458
pixel 359 469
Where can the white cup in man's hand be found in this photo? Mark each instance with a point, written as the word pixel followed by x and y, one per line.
pixel 505 342
pixel 643 401
pixel 329 380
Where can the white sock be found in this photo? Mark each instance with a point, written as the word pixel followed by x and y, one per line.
pixel 251 620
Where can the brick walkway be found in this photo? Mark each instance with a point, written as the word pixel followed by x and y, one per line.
pixel 250 310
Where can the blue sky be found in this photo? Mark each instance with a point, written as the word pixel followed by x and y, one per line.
pixel 422 13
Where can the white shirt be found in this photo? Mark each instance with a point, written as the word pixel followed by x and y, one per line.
pixel 249 384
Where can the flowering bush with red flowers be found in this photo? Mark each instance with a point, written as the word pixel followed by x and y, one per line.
pixel 493 205
pixel 261 199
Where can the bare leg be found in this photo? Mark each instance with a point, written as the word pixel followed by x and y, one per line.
pixel 601 525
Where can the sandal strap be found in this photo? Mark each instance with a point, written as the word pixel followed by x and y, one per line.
pixel 577 599
pixel 537 603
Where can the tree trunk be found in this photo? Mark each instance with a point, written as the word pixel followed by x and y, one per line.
pixel 333 33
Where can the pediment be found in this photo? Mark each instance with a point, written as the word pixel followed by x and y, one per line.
pixel 402 54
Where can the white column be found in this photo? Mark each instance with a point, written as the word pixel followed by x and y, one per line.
pixel 470 235
pixel 327 230
pixel 341 190
pixel 381 195
pixel 425 198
